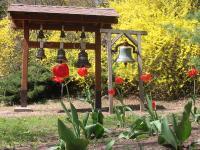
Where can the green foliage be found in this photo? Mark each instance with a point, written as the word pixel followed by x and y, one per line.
pixel 120 112
pixel 181 130
pixel 97 116
pixel 95 130
pixel 71 140
pixel 38 79
pixel 142 126
pixel 151 112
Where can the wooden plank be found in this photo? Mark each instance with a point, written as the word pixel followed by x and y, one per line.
pixel 98 70
pixel 67 10
pixel 139 59
pixel 131 39
pixel 116 38
pixel 109 60
pixel 54 45
pixel 25 54
pixel 132 32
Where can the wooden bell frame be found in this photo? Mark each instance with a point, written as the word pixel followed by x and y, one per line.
pixel 137 43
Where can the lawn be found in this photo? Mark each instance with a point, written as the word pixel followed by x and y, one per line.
pixel 35 130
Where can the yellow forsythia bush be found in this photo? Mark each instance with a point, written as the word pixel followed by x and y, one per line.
pixel 165 53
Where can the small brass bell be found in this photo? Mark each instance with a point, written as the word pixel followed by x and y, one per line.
pixel 41 35
pixel 125 54
pixel 83 36
pixel 83 60
pixel 61 56
pixel 62 34
pixel 40 54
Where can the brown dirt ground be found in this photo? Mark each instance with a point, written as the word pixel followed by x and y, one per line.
pixel 53 107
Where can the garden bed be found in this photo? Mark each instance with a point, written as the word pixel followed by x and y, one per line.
pixel 40 125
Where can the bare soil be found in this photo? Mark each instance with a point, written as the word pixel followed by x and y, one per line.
pixel 53 107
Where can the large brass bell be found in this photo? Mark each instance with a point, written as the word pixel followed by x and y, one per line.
pixel 83 60
pixel 40 54
pixel 125 54
pixel 61 56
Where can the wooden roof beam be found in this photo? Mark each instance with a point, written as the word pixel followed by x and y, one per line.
pixel 65 18
pixel 67 27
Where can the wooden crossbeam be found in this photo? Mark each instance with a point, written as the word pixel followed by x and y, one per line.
pixel 132 32
pixel 54 45
pixel 35 25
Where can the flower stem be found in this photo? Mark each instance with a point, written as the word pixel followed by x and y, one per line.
pixel 67 91
pixel 61 92
pixel 194 87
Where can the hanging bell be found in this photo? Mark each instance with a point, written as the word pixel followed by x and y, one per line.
pixel 61 56
pixel 125 54
pixel 62 34
pixel 83 36
pixel 41 35
pixel 40 54
pixel 82 60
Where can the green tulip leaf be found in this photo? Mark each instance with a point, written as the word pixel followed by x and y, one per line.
pixel 75 120
pixel 65 133
pixel 167 136
pixel 109 145
pixel 184 128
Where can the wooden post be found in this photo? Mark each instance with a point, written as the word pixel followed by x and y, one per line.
pixel 109 60
pixel 25 54
pixel 139 60
pixel 98 69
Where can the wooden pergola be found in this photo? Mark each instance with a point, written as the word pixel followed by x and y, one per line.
pixel 31 17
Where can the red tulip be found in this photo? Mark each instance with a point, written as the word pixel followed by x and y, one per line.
pixel 83 72
pixel 192 73
pixel 146 77
pixel 119 80
pixel 57 79
pixel 154 104
pixel 111 92
pixel 61 70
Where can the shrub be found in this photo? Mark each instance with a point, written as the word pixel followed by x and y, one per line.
pixel 38 85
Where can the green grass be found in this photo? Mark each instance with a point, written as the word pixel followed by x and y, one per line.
pixel 17 131
pixel 33 130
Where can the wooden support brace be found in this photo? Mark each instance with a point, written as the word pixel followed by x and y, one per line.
pixel 116 38
pixel 135 42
